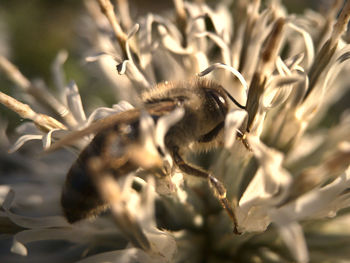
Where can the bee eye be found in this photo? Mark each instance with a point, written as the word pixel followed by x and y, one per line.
pixel 220 101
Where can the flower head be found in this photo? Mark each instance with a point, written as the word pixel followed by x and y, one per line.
pixel 279 173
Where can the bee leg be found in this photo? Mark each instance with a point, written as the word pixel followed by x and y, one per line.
pixel 219 188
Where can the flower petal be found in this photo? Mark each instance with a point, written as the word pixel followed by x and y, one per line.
pixel 22 140
pixel 74 102
pixel 30 222
pixel 233 122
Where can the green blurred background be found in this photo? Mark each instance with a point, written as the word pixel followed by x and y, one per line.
pixel 38 29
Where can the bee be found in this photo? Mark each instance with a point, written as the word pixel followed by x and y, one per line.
pixel 205 104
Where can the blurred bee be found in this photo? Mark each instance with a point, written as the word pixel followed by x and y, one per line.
pixel 205 105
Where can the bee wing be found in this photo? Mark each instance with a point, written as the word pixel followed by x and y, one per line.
pixel 155 109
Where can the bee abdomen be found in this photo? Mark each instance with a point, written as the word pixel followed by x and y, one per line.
pixel 81 196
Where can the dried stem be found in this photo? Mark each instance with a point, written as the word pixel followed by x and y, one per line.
pixel 41 95
pixel 107 8
pixel 341 24
pixel 181 19
pixel 330 13
pixel 44 122
pixel 327 51
pixel 14 74
pixel 180 9
pixel 251 18
pixel 268 57
pixel 123 7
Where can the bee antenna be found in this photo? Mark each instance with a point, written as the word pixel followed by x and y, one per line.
pixel 234 100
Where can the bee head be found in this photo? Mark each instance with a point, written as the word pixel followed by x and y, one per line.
pixel 214 102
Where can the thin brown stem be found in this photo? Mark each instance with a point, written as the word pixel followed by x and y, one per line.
pixel 328 49
pixel 267 59
pixel 107 9
pixel 123 7
pixel 44 122
pixel 181 19
pixel 44 97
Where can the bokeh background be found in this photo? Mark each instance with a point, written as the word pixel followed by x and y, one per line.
pixel 33 32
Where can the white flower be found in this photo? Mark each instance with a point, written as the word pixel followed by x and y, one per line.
pixel 286 173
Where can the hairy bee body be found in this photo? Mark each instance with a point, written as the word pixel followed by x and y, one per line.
pixel 205 107
pixel 80 196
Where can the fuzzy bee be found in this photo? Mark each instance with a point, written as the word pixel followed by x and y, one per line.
pixel 205 104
